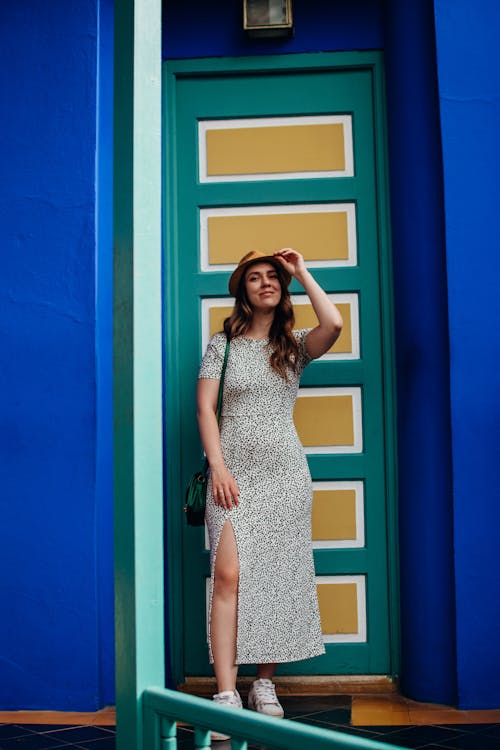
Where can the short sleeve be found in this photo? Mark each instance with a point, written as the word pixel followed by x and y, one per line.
pixel 211 364
pixel 301 336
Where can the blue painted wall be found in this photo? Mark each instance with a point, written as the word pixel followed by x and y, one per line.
pixel 54 620
pixel 203 29
pixel 469 86
pixel 421 318
pixel 55 306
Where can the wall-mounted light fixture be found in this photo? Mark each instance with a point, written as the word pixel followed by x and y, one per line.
pixel 267 18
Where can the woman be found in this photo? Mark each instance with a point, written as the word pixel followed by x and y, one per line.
pixel 263 606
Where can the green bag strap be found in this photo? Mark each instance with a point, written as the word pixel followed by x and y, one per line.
pixel 221 394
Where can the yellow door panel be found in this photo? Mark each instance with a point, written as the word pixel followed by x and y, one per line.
pixel 334 514
pixel 325 420
pixel 338 607
pixel 318 236
pixel 281 149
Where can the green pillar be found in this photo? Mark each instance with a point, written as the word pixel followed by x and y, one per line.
pixel 137 363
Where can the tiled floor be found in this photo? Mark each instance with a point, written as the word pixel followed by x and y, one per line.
pixel 39 737
pixel 394 709
pixel 335 712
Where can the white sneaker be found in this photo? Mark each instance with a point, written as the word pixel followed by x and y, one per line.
pixel 262 698
pixel 229 698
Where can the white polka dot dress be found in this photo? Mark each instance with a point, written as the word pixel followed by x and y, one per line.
pixel 278 618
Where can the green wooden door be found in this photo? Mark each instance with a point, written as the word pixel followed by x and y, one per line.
pixel 264 153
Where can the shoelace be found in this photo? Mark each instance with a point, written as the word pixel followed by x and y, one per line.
pixel 266 692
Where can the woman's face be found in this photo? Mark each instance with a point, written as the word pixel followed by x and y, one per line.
pixel 262 285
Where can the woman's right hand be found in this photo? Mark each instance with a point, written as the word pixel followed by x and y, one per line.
pixel 224 488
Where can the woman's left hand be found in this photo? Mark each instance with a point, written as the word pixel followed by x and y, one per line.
pixel 291 260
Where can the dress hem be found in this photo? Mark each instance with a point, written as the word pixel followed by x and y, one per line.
pixel 279 660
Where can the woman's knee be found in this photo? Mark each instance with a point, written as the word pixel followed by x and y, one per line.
pixel 226 579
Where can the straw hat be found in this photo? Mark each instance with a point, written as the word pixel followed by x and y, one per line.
pixel 254 256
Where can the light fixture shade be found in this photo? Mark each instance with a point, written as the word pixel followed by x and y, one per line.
pixel 268 17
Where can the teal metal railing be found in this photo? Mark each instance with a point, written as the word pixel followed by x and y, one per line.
pixel 164 708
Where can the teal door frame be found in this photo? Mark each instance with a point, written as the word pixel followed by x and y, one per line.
pixel 267 64
pixel 137 400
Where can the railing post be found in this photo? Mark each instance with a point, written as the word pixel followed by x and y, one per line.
pixel 168 735
pixel 151 729
pixel 239 744
pixel 202 739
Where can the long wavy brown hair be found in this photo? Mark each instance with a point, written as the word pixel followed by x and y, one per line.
pixel 282 343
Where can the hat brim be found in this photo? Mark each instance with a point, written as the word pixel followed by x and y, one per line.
pixel 235 278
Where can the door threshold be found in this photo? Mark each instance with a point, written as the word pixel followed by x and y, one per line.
pixel 205 687
pixel 104 717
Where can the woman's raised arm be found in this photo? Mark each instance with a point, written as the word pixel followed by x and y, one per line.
pixel 330 322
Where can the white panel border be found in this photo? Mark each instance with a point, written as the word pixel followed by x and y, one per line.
pixel 350 298
pixel 317 208
pixel 355 392
pixel 274 122
pixel 359 541
pixel 360 636
pixel 207 303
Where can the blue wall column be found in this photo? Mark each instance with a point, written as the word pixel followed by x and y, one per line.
pixel 469 86
pixel 428 670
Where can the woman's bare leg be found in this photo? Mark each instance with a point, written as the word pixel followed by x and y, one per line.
pixel 224 617
pixel 265 671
